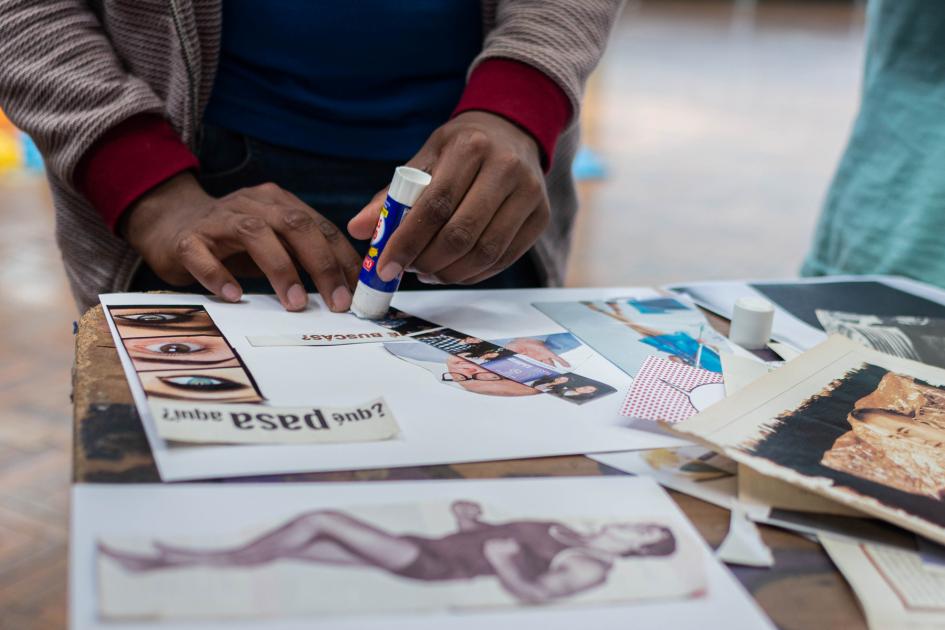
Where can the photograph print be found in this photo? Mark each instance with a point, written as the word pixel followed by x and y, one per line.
pixel 872 433
pixel 470 559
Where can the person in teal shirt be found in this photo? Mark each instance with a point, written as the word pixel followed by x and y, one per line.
pixel 885 210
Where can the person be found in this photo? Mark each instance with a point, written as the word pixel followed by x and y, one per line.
pixel 227 145
pixel 679 345
pixel 884 213
pixel 479 380
pixel 534 561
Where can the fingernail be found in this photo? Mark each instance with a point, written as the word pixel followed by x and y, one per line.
pixel 297 296
pixel 231 292
pixel 341 299
pixel 390 271
pixel 428 279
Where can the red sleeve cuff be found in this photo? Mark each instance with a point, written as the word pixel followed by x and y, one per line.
pixel 129 160
pixel 521 94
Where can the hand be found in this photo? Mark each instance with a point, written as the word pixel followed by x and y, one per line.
pixel 184 235
pixel 500 548
pixel 485 207
pixel 536 350
pixel 466 510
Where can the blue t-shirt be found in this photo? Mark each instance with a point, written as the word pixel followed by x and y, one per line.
pixel 368 79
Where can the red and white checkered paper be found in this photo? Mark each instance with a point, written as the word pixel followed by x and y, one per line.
pixel 650 398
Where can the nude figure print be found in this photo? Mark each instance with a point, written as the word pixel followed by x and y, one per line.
pixel 533 560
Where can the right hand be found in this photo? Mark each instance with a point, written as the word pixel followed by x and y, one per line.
pixel 184 234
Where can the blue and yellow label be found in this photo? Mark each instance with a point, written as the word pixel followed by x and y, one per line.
pixel 390 217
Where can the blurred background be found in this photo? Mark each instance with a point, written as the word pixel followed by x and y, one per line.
pixel 711 130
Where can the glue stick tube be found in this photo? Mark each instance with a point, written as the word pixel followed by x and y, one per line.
pixel 372 296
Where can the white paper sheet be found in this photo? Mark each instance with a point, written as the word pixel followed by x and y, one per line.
pixel 438 424
pixel 720 297
pixel 109 511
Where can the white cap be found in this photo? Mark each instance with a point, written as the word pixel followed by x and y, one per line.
pixel 752 318
pixel 369 303
pixel 407 184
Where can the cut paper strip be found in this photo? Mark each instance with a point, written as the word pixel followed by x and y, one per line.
pixel 671 392
pixel 324 339
pixel 494 358
pixel 204 423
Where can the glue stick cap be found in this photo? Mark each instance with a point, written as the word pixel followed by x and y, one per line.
pixel 407 184
pixel 752 318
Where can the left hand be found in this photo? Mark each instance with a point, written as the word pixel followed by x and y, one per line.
pixel 485 207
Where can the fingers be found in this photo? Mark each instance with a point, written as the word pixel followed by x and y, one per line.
pixel 311 238
pixel 347 259
pixel 362 225
pixel 452 176
pixel 314 241
pixel 515 222
pixel 530 231
pixel 207 269
pixel 268 252
pixel 465 228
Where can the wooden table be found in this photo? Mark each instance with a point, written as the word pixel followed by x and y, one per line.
pixel 802 590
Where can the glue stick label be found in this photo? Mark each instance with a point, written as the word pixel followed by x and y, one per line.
pixel 391 215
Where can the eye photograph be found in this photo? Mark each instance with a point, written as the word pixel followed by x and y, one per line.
pixel 168 353
pixel 162 321
pixel 203 385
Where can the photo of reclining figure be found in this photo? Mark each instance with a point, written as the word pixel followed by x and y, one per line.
pixel 872 433
pixel 533 561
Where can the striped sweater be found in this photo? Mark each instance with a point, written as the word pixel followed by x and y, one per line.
pixel 73 69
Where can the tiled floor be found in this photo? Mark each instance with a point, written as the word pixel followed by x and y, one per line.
pixel 720 125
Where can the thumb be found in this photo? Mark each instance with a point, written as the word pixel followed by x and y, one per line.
pixel 361 226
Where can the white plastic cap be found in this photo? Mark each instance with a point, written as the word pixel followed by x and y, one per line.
pixel 752 318
pixel 407 184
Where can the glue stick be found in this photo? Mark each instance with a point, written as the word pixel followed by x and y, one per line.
pixel 372 296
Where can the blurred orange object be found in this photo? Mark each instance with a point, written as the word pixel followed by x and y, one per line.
pixel 5 124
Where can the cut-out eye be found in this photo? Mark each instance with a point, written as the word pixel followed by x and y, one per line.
pixel 155 318
pixel 201 382
pixel 177 347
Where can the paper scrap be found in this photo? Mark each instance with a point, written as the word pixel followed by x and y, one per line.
pixel 894 588
pixel 692 470
pixel 739 372
pixel 205 423
pixel 743 544
pixel 671 392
